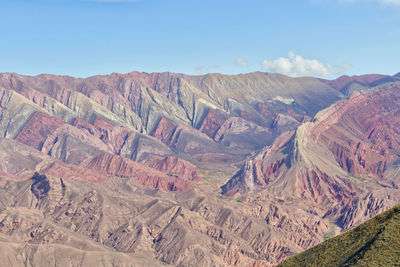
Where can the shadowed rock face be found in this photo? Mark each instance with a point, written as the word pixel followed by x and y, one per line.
pixel 127 168
pixel 40 186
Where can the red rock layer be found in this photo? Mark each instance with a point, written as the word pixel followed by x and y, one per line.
pixel 363 134
pixel 173 166
pixel 123 167
pixel 212 121
pixel 111 135
pixel 37 129
pixel 165 130
pixel 72 172
pixel 322 188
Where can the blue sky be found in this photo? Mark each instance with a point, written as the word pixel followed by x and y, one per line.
pixel 324 38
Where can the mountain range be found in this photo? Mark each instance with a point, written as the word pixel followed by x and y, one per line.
pixel 166 169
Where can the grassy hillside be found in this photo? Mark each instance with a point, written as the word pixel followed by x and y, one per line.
pixel 373 243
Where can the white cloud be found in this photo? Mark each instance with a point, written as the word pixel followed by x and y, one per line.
pixel 240 62
pixel 112 1
pixel 199 70
pixel 295 65
pixel 202 69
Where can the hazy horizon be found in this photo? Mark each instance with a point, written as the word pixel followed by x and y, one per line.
pixel 203 74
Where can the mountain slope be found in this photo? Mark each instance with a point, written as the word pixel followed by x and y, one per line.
pixel 373 243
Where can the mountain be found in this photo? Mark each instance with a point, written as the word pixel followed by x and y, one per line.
pixel 170 169
pixel 350 84
pixel 373 243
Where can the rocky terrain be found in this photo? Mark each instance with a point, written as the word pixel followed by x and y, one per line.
pixel 162 169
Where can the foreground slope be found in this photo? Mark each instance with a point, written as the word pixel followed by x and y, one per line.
pixel 373 243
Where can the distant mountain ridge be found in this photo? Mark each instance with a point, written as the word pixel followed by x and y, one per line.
pixel 130 114
pixel 350 84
